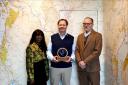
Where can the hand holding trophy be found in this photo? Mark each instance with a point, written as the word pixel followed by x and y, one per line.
pixel 62 54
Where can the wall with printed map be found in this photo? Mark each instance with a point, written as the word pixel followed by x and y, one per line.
pixel 19 18
pixel 115 16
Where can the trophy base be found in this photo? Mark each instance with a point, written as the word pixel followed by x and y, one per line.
pixel 62 58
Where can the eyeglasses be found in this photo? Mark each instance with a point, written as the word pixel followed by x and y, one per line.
pixel 87 23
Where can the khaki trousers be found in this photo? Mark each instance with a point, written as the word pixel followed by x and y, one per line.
pixel 60 74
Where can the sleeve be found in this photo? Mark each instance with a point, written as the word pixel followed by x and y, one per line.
pixel 47 68
pixel 49 49
pixel 73 51
pixel 29 63
pixel 77 52
pixel 97 50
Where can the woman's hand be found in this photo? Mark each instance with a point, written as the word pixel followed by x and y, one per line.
pixel 32 82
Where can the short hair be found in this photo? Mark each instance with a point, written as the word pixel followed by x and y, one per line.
pixel 62 20
pixel 89 18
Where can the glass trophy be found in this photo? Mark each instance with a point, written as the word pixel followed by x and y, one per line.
pixel 62 54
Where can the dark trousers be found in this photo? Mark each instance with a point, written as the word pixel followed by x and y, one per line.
pixel 39 74
pixel 89 78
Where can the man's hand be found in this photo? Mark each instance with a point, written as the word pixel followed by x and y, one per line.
pixel 82 64
pixel 54 59
pixel 69 59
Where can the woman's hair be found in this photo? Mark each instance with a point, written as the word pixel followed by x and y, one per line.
pixel 42 43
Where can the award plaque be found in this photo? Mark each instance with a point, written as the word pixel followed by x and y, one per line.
pixel 62 54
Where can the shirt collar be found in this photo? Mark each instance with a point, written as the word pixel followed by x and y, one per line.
pixel 62 37
pixel 86 34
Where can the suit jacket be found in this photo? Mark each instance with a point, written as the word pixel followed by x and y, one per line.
pixel 89 52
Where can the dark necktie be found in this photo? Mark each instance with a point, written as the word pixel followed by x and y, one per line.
pixel 85 40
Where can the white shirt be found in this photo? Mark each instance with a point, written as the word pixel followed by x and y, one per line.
pixel 86 34
pixel 49 49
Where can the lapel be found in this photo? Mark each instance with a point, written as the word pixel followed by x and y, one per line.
pixel 82 39
pixel 89 38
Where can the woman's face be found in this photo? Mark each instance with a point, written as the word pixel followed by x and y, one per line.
pixel 39 38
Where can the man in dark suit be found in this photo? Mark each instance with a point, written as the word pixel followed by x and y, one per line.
pixel 88 50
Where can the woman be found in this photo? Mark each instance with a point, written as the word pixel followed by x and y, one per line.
pixel 36 60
